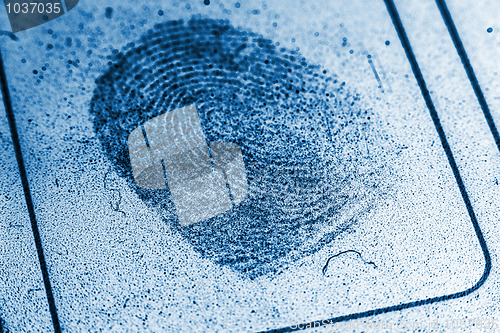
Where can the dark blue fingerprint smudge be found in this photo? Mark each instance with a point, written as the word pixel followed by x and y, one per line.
pixel 293 122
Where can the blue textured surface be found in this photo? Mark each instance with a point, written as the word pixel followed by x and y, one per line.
pixel 116 256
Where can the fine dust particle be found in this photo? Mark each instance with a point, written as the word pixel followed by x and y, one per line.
pixel 108 12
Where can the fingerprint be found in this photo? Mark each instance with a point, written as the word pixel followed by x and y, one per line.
pixel 299 128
